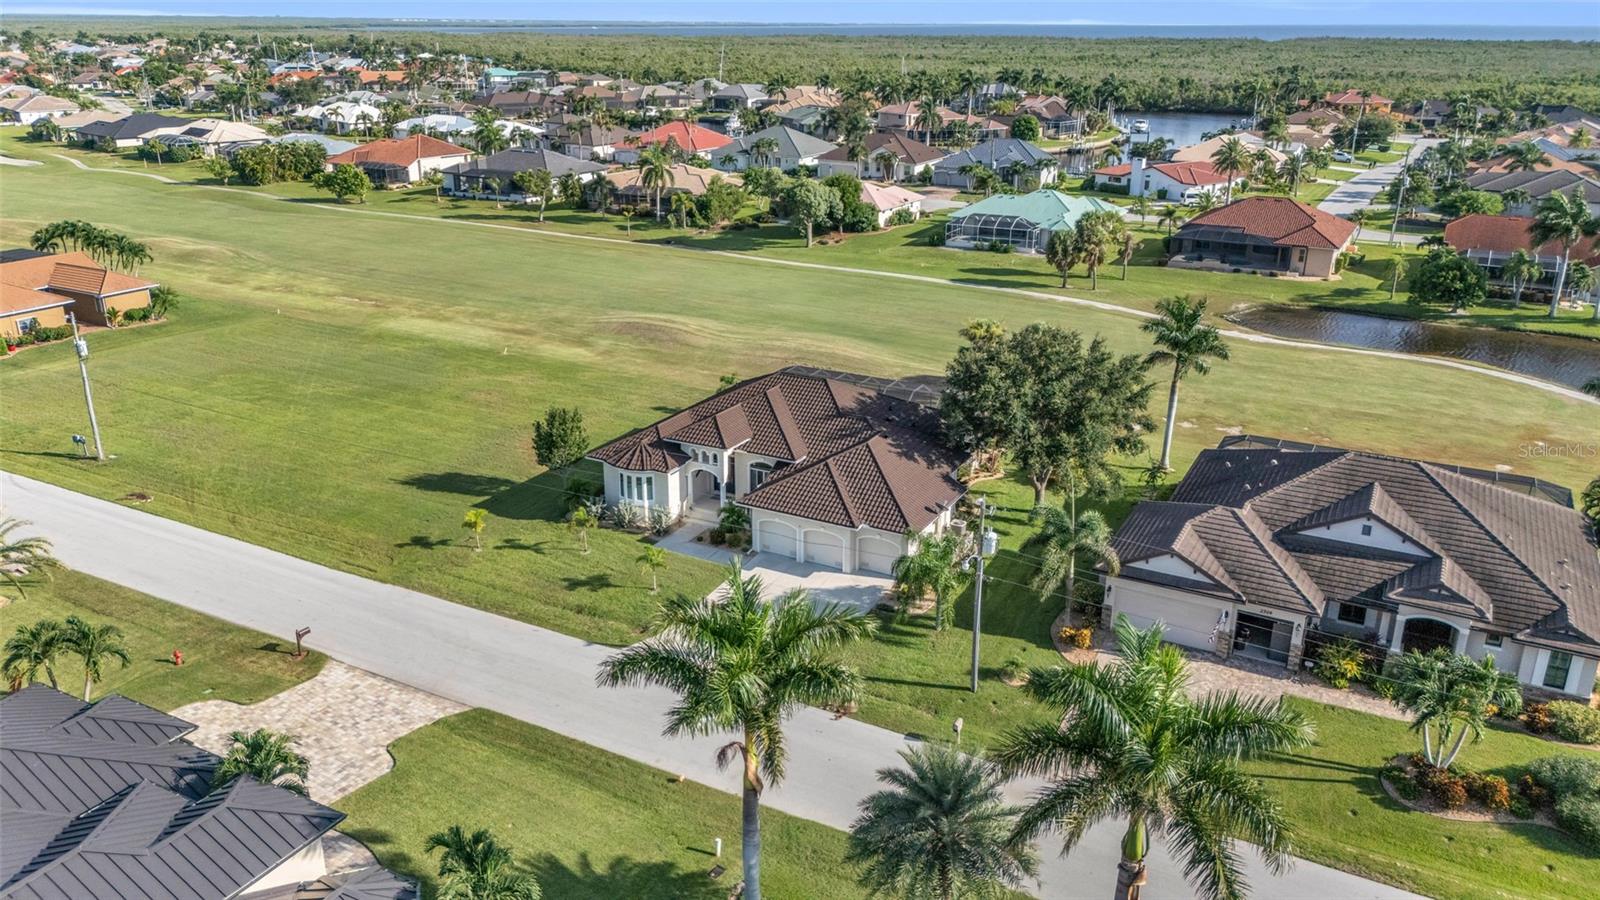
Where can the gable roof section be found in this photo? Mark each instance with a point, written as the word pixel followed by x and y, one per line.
pixel 997 154
pixel 884 197
pixel 689 137
pixel 1369 500
pixel 791 143
pixel 510 162
pixel 905 148
pixel 1284 222
pixel 63 273
pixel 1506 234
pixel 1537 184
pixel 133 126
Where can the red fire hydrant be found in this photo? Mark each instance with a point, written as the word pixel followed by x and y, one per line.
pixel 177 657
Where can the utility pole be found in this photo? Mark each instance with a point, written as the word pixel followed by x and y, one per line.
pixel 82 348
pixel 1400 199
pixel 987 541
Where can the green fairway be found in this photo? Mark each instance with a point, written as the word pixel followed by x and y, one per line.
pixel 220 661
pixel 344 387
pixel 587 823
pixel 1343 818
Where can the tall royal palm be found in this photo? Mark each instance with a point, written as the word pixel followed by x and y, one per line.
pixel 1183 338
pixel 96 645
pixel 941 830
pixel 656 174
pixel 1565 219
pixel 741 664
pixel 1131 744
pixel 1232 157
pixel 267 756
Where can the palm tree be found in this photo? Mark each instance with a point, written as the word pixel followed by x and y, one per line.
pixel 1111 155
pixel 1140 207
pixel 30 650
pixel 1171 215
pixel 1292 169
pixel 1521 269
pixel 934 566
pixel 22 555
pixel 1062 252
pixel 486 134
pixel 764 150
pixel 742 664
pixel 1525 156
pixel 95 644
pixel 1096 234
pixel 267 756
pixel 941 830
pixel 1130 743
pixel 682 205
pixel 1182 337
pixel 1515 197
pixel 1232 157
pixel 1068 535
pixel 476 867
pixel 886 160
pixel 475 520
pixel 1580 280
pixel 1564 218
pixel 653 560
pixel 928 118
pixel 1453 693
pixel 581 521
pixel 536 183
pixel 655 173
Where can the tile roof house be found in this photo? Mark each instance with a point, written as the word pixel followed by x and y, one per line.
pixel 1488 241
pixel 475 178
pixel 1350 100
pixel 682 179
pixel 687 137
pixel 1203 151
pixel 44 287
pixel 588 141
pixel 30 109
pixel 1271 234
pixel 106 800
pixel 1025 221
pixel 1184 182
pixel 840 470
pixel 1266 540
pixel 889 199
pixel 401 160
pixel 794 149
pixel 130 131
pixel 1537 185
pixel 1017 161
pixel 911 158
pixel 215 136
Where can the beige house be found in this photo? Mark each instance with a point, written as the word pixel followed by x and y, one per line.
pixel 1264 234
pixel 39 289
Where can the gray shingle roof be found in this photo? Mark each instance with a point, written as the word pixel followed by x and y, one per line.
pixel 508 163
pixel 1515 560
pixel 105 800
pixel 791 143
pixel 1537 184
pixel 997 154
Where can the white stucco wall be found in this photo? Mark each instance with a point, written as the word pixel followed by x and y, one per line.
pixel 1580 678
pixel 1173 565
pixel 306 865
pixel 1382 537
pixel 668 488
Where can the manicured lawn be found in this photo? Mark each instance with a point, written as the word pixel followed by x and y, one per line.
pixel 1343 818
pixel 587 823
pixel 221 661
pixel 344 387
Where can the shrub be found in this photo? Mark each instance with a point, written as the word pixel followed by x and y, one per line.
pixel 1401 781
pixel 1444 786
pixel 1580 816
pixel 717 537
pixel 660 521
pixel 1531 792
pixel 627 516
pixel 1537 717
pixel 1076 637
pixel 559 439
pixel 1521 808
pixel 1014 669
pixel 137 314
pixel 901 217
pixel 1341 662
pixel 1489 791
pixel 1574 721
pixel 1566 775
pixel 44 334
pixel 733 517
pixel 936 238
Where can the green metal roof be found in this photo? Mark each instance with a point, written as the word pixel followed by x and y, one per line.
pixel 1051 209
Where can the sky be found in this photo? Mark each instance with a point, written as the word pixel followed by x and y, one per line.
pixel 928 12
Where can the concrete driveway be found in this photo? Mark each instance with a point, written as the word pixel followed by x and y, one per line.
pixel 781 574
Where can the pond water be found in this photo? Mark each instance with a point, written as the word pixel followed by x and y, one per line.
pixel 1181 128
pixel 1566 360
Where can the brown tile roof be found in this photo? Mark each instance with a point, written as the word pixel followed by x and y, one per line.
pixel 907 149
pixel 1285 222
pixel 398 151
pixel 854 455
pixel 71 273
pixel 1504 234
pixel 1522 563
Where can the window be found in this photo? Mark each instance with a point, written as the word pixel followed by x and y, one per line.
pixel 639 488
pixel 758 474
pixel 1494 640
pixel 1353 614
pixel 26 325
pixel 1366 530
pixel 1556 670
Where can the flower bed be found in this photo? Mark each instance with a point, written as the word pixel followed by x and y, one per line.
pixel 1459 794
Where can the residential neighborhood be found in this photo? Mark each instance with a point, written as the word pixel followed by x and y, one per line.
pixel 799 453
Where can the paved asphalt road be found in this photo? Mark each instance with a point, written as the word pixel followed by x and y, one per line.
pixel 530 673
pixel 1363 190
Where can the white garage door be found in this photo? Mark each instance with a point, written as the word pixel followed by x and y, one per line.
pixel 776 538
pixel 1187 624
pixel 877 554
pixel 824 549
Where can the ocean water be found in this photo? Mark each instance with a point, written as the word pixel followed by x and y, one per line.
pixel 1436 31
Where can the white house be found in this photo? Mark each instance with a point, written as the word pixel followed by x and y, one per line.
pixel 788 149
pixel 1265 542
pixel 889 199
pixel 1181 182
pixel 840 470
pixel 26 110
pixel 342 116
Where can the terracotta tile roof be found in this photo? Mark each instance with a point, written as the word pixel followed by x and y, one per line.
pixel 692 179
pixel 1285 222
pixel 1182 172
pixel 1352 97
pixel 398 151
pixel 1518 561
pixel 849 455
pixel 884 197
pixel 69 273
pixel 1504 234
pixel 689 137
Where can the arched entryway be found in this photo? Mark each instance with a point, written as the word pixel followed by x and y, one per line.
pixel 1424 635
